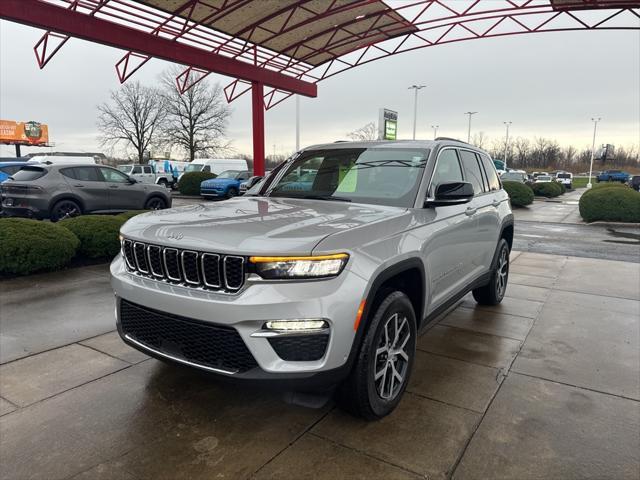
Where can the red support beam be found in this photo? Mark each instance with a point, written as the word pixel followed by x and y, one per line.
pixel 49 17
pixel 257 111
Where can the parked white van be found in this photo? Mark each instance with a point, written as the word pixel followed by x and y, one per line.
pixel 216 165
pixel 58 159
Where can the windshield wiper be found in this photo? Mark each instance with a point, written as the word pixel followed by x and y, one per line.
pixel 325 197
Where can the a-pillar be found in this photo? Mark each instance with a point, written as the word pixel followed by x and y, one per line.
pixel 257 110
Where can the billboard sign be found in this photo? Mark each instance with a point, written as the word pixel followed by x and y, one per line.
pixel 23 133
pixel 387 124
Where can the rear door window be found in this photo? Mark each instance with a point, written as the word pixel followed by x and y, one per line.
pixel 29 173
pixel 492 175
pixel 472 172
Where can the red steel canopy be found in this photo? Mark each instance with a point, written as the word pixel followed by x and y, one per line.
pixel 290 45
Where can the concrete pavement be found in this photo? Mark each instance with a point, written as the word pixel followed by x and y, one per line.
pixel 545 385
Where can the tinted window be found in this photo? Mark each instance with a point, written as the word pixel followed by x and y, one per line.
pixel 147 170
pixel 10 169
pixel 492 175
pixel 29 173
pixel 207 168
pixel 137 169
pixel 447 169
pixel 112 175
pixel 472 172
pixel 87 174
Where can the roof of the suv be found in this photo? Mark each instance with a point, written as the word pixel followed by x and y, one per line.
pixel 391 144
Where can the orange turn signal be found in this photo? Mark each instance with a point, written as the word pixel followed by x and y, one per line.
pixel 356 324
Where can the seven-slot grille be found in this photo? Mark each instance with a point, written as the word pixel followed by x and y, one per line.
pixel 187 267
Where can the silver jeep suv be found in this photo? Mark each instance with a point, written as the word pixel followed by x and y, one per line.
pixel 324 275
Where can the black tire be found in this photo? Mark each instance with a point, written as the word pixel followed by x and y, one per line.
pixel 493 292
pixel 155 203
pixel 65 209
pixel 232 192
pixel 361 393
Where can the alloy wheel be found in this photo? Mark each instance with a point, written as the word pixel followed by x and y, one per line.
pixel 391 357
pixel 502 272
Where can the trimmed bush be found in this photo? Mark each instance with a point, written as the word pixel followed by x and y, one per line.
pixel 190 182
pixel 131 213
pixel 519 193
pixel 563 189
pixel 98 234
pixel 547 189
pixel 28 246
pixel 610 205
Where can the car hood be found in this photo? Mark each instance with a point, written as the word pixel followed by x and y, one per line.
pixel 218 182
pixel 255 225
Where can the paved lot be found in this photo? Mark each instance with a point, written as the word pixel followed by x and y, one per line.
pixel 545 385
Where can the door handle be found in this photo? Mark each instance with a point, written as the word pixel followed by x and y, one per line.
pixel 470 211
pixel 113 186
pixel 79 185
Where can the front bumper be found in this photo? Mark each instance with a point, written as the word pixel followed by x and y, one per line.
pixel 210 192
pixel 336 300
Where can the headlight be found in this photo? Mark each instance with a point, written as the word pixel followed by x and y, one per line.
pixel 299 267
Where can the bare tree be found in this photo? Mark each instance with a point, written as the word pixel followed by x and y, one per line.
pixel 364 134
pixel 132 117
pixel 479 139
pixel 197 119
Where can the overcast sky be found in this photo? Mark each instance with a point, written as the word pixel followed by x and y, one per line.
pixel 548 85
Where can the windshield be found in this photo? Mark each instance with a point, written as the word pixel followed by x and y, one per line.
pixel 125 168
pixel 229 174
pixel 564 175
pixel 193 167
pixel 511 176
pixel 543 178
pixel 382 176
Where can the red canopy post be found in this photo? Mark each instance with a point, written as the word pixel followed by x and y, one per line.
pixel 257 111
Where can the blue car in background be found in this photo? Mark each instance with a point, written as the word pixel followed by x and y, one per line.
pixel 9 168
pixel 225 185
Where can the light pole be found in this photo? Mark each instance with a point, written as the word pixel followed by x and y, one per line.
pixel 415 105
pixel 506 145
pixel 435 131
pixel 297 122
pixel 593 148
pixel 469 130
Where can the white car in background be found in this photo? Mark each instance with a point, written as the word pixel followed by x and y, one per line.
pixel 543 179
pixel 565 178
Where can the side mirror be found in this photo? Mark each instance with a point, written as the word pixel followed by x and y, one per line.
pixel 451 193
pixel 132 180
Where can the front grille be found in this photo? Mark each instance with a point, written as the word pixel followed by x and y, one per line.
pixel 300 348
pixel 186 267
pixel 198 343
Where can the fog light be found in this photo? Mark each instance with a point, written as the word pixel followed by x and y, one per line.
pixel 296 325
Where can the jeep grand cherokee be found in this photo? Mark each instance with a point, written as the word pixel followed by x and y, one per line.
pixel 323 285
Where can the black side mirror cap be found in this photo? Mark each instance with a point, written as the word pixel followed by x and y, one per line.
pixel 451 193
pixel 132 180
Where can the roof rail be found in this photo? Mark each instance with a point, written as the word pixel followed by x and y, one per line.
pixel 452 139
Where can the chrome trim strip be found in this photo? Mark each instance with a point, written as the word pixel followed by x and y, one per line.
pixel 184 270
pixel 204 274
pixel 166 269
pixel 224 272
pixel 157 275
pixel 177 359
pixel 283 333
pixel 135 255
